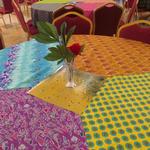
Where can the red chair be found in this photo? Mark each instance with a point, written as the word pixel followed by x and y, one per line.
pixel 20 1
pixel 83 24
pixel 106 19
pixel 2 45
pixel 67 8
pixel 6 9
pixel 29 2
pixel 130 12
pixel 129 3
pixel 28 27
pixel 138 30
pixel 133 11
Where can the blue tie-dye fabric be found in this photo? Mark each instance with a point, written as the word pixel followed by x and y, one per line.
pixel 23 65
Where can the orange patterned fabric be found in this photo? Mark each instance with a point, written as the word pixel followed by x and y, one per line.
pixel 110 56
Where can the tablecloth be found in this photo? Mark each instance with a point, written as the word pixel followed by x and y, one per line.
pixel 44 11
pixel 109 56
pixel 89 7
pixel 74 99
pixel 118 117
pixel 28 123
pixel 23 65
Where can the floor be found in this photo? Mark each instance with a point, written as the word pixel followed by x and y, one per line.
pixel 12 32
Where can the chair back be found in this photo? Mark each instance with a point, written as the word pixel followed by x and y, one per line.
pixel 138 30
pixel 19 15
pixel 132 10
pixel 67 8
pixel 20 1
pixel 129 3
pixel 106 19
pixel 7 4
pixel 30 2
pixel 83 24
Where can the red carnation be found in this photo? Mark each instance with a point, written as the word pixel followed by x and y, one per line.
pixel 75 48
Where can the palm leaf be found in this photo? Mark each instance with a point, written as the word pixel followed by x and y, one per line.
pixel 70 32
pixel 42 38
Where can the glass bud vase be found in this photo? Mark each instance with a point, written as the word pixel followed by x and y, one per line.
pixel 70 71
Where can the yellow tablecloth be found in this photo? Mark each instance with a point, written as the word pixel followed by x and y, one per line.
pixel 118 117
pixel 108 56
pixel 54 91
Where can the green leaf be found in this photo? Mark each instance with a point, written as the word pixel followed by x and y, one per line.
pixel 48 34
pixel 52 57
pixel 40 25
pixel 50 48
pixel 55 51
pixel 70 32
pixel 63 28
pixel 48 29
pixel 42 38
pixel 61 60
pixel 53 30
pixel 63 50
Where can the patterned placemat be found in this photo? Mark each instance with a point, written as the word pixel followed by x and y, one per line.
pixel 28 123
pixel 54 90
pixel 108 56
pixel 118 117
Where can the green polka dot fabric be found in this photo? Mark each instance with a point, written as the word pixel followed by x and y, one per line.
pixel 118 117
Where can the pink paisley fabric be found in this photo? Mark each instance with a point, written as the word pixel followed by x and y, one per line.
pixel 28 123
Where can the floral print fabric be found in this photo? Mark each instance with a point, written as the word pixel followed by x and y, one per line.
pixel 27 123
pixel 23 65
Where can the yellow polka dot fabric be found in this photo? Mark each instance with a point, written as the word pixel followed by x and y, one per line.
pixel 109 56
pixel 118 117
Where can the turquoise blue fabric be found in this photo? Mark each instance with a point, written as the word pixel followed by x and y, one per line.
pixel 24 65
pixel 3 58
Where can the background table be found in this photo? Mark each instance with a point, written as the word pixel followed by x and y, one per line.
pixel 44 11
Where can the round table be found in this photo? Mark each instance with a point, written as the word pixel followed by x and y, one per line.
pixel 108 56
pixel 43 10
pixel 116 118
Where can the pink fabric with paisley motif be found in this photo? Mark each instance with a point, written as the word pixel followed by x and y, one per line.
pixel 29 123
